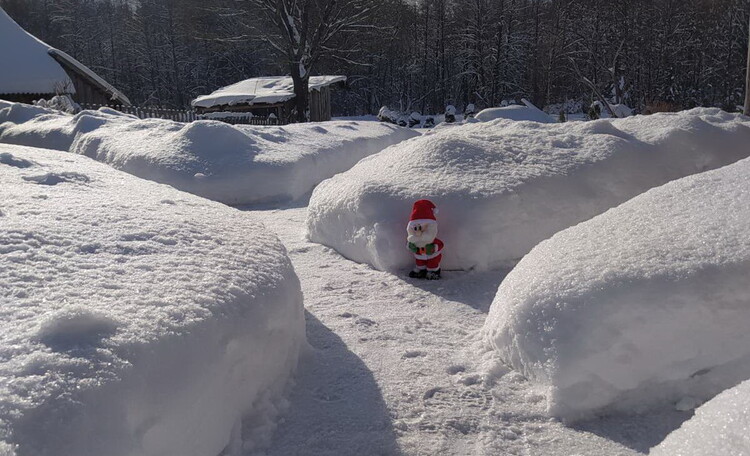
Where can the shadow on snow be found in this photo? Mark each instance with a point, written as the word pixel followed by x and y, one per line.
pixel 336 407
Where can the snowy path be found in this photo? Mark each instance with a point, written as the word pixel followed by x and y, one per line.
pixel 392 370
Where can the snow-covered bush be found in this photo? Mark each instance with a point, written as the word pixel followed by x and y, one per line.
pixel 620 110
pixel 643 305
pixel 504 186
pixel 450 114
pixel 137 319
pixel 63 103
pixel 232 164
pixel 719 427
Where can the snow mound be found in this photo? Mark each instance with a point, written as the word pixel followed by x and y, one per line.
pixel 645 304
pixel 504 186
pixel 230 164
pixel 136 319
pixel 719 427
pixel 514 113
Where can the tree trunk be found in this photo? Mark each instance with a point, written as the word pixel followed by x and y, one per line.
pixel 301 92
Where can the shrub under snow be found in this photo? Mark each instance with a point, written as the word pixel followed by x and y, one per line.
pixel 719 427
pixel 136 319
pixel 504 186
pixel 645 304
pixel 230 164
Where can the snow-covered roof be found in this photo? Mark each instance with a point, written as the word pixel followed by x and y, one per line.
pixel 27 66
pixel 266 90
pixel 86 72
pixel 32 66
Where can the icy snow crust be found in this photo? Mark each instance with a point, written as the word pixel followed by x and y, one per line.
pixel 231 164
pixel 719 427
pixel 503 186
pixel 136 319
pixel 645 304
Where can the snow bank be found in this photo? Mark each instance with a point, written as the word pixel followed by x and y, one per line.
pixel 230 164
pixel 136 319
pixel 515 112
pixel 644 304
pixel 504 186
pixel 719 427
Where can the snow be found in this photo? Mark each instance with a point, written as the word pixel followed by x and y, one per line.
pixel 503 186
pixel 267 90
pixel 642 306
pixel 620 110
pixel 515 112
pixel 230 164
pixel 721 426
pixel 27 66
pixel 394 370
pixel 137 319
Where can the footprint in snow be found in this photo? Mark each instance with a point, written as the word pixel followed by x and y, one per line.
pixel 414 354
pixel 365 322
pixel 455 369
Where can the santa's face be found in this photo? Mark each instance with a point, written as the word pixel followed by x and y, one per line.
pixel 420 233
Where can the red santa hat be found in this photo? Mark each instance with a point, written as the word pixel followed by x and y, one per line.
pixel 424 211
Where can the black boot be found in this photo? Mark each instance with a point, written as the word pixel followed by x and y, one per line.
pixel 418 274
pixel 433 275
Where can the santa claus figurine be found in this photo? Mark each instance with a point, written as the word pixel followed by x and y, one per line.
pixel 422 241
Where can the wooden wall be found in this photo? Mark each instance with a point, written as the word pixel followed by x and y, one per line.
pixel 320 105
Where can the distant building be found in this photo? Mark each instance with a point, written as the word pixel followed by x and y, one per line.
pixel 31 69
pixel 268 97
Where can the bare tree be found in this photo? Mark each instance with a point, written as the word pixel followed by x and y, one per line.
pixel 307 30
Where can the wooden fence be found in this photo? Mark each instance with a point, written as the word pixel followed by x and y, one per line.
pixel 248 120
pixel 184 115
pixel 146 112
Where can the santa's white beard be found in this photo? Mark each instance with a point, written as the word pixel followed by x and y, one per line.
pixel 425 237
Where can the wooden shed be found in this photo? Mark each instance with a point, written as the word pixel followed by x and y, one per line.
pixel 31 70
pixel 267 97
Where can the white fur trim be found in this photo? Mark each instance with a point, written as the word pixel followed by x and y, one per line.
pixel 435 211
pixel 421 221
pixel 427 257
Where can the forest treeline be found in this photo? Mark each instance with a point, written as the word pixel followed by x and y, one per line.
pixel 419 55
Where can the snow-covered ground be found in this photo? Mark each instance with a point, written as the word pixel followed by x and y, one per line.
pixel 395 366
pixel 230 164
pixel 643 306
pixel 503 186
pixel 136 319
pixel 719 427
pixel 395 370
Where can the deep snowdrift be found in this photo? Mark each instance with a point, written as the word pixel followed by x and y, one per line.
pixel 719 427
pixel 136 319
pixel 644 304
pixel 230 164
pixel 504 186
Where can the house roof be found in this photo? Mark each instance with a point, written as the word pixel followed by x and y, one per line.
pixel 27 67
pixel 266 90
pixel 74 65
pixel 31 66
